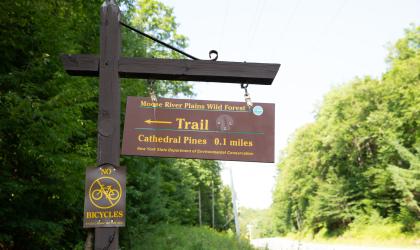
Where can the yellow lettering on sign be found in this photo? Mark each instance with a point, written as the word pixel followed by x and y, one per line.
pixel 104 214
pixel 190 140
pixel 150 104
pixel 241 143
pixel 105 171
pixel 203 124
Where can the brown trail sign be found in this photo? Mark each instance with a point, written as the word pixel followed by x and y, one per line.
pixel 215 130
pixel 110 66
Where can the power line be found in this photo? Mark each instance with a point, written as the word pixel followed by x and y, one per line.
pixel 259 10
pixel 333 18
pixel 289 19
pixel 222 33
pixel 288 22
pixel 324 32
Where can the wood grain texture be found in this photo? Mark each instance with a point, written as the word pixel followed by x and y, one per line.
pixel 81 65
pixel 108 149
pixel 207 71
pixel 178 69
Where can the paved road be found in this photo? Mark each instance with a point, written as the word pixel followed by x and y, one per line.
pixel 287 244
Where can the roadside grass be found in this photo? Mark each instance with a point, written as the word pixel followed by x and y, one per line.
pixel 176 237
pixel 383 234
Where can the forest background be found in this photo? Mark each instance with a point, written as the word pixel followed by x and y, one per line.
pixel 48 129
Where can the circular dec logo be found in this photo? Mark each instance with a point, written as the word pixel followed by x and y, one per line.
pixel 105 192
pixel 258 110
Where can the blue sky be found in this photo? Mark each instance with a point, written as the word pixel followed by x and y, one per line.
pixel 320 44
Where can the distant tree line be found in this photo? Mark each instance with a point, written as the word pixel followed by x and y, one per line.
pixel 360 158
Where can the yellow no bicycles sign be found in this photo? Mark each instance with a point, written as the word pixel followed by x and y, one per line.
pixel 105 196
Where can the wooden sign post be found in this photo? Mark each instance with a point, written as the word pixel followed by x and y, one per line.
pixel 108 149
pixel 109 66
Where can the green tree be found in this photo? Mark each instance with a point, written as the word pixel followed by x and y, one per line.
pixel 360 156
pixel 48 125
pixel 46 132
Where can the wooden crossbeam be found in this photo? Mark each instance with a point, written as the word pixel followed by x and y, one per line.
pixel 177 69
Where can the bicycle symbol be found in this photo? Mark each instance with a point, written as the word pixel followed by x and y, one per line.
pixel 105 192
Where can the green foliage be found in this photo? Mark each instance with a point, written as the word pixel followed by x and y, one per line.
pixel 373 229
pixel 156 19
pixel 46 129
pixel 166 190
pixel 360 158
pixel 48 126
pixel 174 237
pixel 257 222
